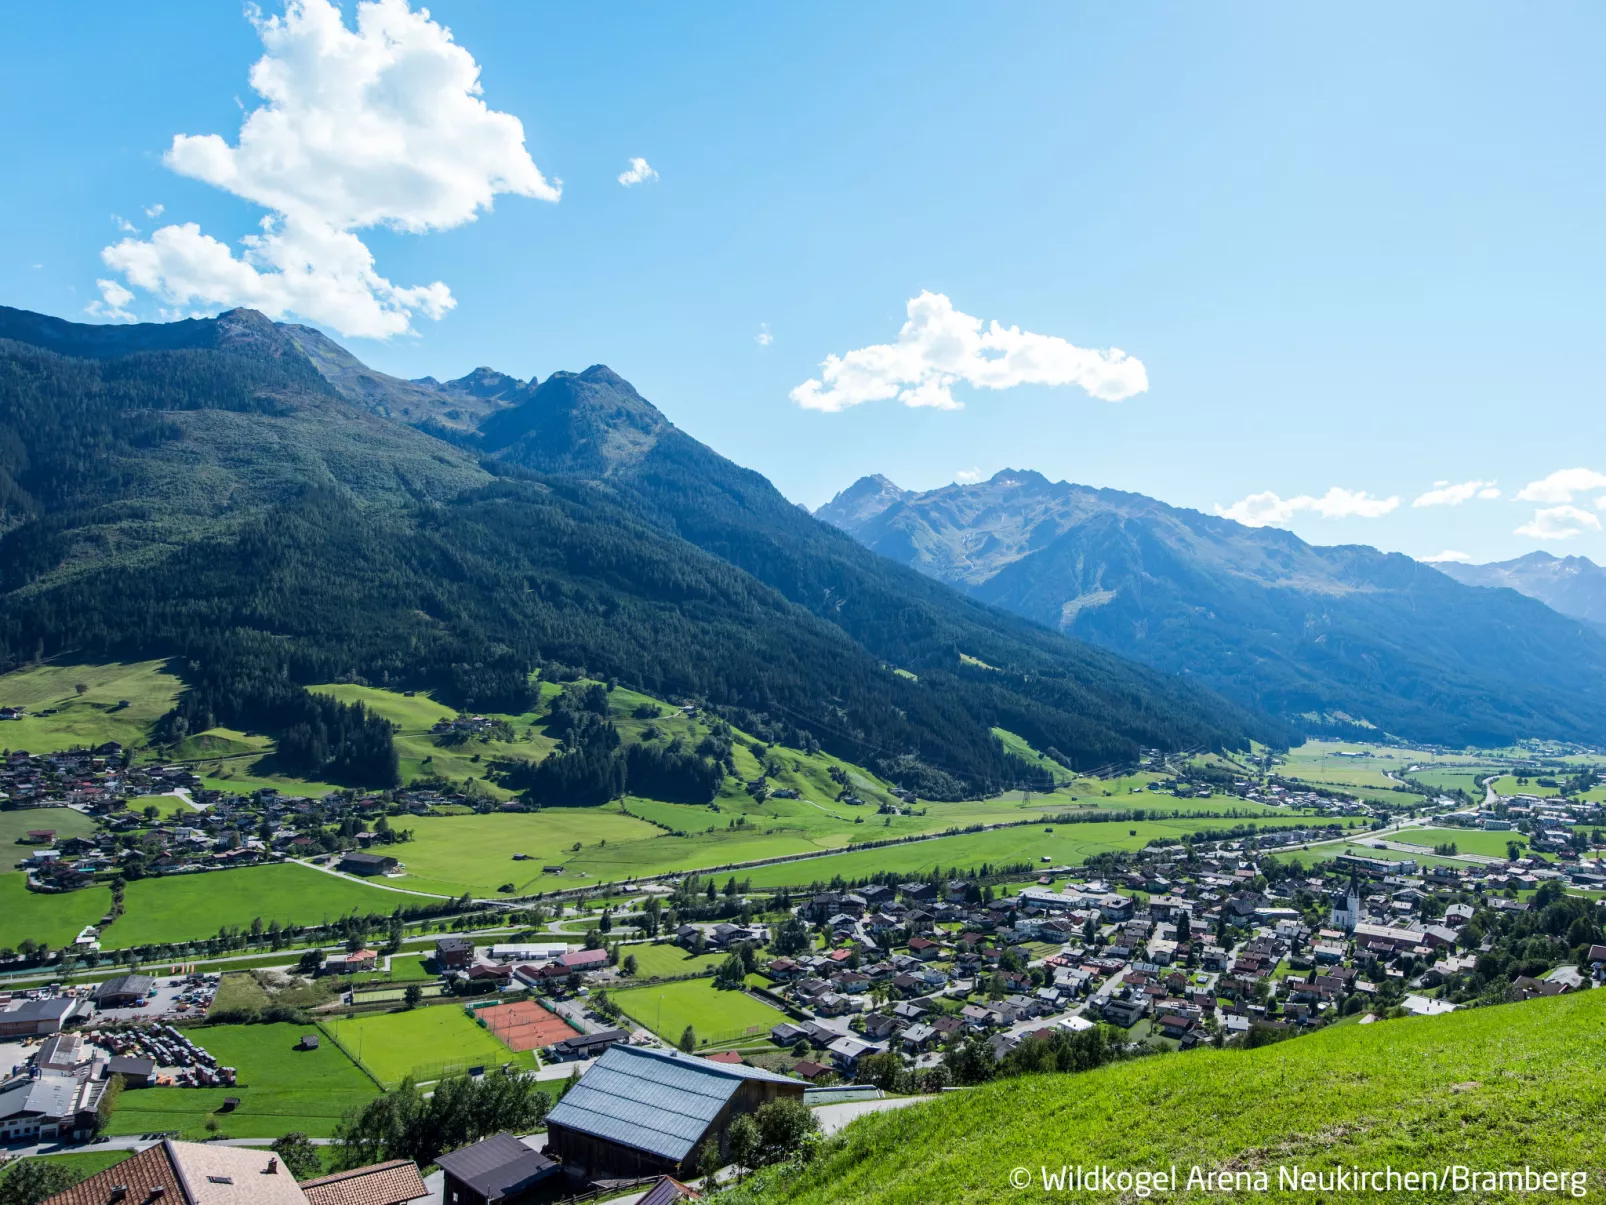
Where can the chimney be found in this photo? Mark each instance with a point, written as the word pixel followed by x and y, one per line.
pixel 273 1167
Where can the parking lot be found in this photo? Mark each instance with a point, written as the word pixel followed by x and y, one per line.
pixel 165 1003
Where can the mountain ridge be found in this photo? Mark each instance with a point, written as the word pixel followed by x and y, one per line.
pixel 255 503
pixel 1342 638
pixel 1571 585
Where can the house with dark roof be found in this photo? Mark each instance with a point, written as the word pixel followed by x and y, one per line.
pixel 357 862
pixel 586 1045
pixel 453 953
pixel 123 991
pixel 669 1191
pixel 498 1169
pixel 642 1112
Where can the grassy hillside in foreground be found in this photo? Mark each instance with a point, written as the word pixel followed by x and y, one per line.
pixel 1489 1089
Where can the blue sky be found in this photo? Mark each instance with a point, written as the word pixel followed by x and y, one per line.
pixel 1356 250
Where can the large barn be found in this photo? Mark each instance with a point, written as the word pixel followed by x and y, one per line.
pixel 641 1112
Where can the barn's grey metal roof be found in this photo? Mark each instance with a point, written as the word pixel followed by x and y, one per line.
pixel 653 1100
pixel 48 1096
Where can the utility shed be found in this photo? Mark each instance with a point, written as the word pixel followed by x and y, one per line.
pixel 642 1112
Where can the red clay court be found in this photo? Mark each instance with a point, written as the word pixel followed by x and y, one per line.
pixel 525 1025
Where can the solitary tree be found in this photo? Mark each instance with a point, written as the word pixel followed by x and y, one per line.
pixel 688 1040
pixel 299 1155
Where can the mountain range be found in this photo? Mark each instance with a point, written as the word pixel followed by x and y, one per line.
pixel 1342 639
pixel 1572 585
pixel 248 499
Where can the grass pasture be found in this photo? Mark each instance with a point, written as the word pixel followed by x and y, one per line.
pixel 193 906
pixel 1068 844
pixel 52 919
pixel 14 826
pixel 1467 840
pixel 280 1088
pixel 1489 1088
pixel 718 1017
pixel 120 702
pixel 422 1042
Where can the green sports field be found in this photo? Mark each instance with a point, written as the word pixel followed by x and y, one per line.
pixel 420 1042
pixel 1068 844
pixel 668 961
pixel 280 1088
pixel 718 1017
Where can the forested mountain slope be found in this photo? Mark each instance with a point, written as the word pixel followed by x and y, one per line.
pixel 1329 638
pixel 213 492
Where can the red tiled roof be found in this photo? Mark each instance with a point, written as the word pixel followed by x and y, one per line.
pixel 139 1174
pixel 378 1184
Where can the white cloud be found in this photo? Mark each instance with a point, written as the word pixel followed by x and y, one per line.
pixel 378 126
pixel 1561 485
pixel 1559 523
pixel 124 224
pixel 1449 554
pixel 112 303
pixel 939 346
pixel 639 172
pixel 155 211
pixel 967 476
pixel 1445 494
pixel 1261 510
pixel 763 338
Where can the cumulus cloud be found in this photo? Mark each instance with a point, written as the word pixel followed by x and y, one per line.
pixel 1561 485
pixel 763 338
pixel 967 476
pixel 1445 494
pixel 639 172
pixel 1559 523
pixel 1264 509
pixel 123 224
pixel 1449 554
pixel 939 347
pixel 381 125
pixel 112 304
pixel 155 211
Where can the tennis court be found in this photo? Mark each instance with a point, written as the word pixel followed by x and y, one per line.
pixel 525 1025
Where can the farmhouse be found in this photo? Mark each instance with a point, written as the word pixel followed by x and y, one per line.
pixel 499 1168
pixel 641 1112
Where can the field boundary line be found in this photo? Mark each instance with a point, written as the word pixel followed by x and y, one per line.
pixel 358 1063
